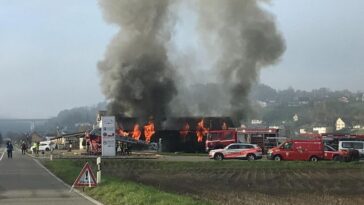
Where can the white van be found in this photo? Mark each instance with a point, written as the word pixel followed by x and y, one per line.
pixel 357 145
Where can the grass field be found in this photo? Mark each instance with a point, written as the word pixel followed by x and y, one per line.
pixel 115 191
pixel 241 182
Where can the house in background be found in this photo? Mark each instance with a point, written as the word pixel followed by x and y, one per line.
pixel 321 130
pixel 74 140
pixel 295 117
pixel 340 124
pixel 357 126
pixel 35 138
pixel 303 131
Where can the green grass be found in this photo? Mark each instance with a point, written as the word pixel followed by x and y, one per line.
pixel 206 182
pixel 116 191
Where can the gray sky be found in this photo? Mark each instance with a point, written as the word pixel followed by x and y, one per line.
pixel 325 42
pixel 49 51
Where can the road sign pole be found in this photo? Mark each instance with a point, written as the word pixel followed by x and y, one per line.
pixel 98 174
pixel 89 181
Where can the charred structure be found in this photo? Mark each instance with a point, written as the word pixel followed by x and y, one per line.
pixel 186 134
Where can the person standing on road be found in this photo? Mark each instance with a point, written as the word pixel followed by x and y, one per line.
pixel 23 148
pixel 10 148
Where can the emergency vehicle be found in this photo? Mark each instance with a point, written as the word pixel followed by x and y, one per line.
pixel 237 151
pixel 308 150
pixel 331 153
pixel 265 138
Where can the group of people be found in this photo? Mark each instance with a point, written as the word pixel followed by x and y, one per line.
pixel 10 149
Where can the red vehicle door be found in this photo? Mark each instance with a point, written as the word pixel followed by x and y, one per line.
pixel 288 151
pixel 302 153
pixel 232 151
pixel 330 153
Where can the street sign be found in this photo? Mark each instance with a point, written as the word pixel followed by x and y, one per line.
pixel 86 177
pixel 108 136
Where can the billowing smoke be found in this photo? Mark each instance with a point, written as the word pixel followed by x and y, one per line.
pixel 243 38
pixel 138 78
pixel 136 75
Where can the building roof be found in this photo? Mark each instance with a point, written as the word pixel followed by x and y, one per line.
pixel 76 135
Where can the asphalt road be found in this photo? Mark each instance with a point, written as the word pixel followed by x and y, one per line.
pixel 23 181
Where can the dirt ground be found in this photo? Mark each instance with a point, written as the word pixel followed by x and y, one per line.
pixel 233 185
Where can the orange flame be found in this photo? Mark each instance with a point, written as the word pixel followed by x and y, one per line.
pixel 185 129
pixel 201 130
pixel 149 131
pixel 136 132
pixel 122 133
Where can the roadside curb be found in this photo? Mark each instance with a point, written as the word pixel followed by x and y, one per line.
pixel 68 186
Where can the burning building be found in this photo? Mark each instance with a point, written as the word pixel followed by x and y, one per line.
pixel 140 77
pixel 187 134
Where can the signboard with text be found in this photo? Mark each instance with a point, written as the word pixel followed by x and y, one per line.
pixel 108 136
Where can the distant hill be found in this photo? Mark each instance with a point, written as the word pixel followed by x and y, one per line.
pixel 71 120
pixel 317 107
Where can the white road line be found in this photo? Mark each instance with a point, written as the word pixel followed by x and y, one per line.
pixel 2 155
pixel 68 186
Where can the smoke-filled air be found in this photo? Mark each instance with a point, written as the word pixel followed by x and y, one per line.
pixel 141 75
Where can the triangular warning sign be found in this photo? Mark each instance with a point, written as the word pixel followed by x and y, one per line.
pixel 86 177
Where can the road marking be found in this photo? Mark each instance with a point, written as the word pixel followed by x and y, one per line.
pixel 68 186
pixel 2 155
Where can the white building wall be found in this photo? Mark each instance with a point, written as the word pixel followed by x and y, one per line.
pixel 340 124
pixel 320 130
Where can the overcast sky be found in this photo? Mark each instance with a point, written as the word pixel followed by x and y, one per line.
pixel 49 51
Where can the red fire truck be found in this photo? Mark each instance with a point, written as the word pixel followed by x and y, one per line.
pixel 265 138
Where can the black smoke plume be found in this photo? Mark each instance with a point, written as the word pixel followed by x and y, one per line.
pixel 243 38
pixel 137 74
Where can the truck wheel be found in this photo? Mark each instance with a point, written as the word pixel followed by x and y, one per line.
pixel 251 157
pixel 47 149
pixel 313 159
pixel 336 158
pixel 277 158
pixel 219 156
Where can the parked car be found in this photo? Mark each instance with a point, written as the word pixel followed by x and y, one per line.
pixel 47 146
pixel 311 150
pixel 331 153
pixel 264 138
pixel 237 151
pixel 352 145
